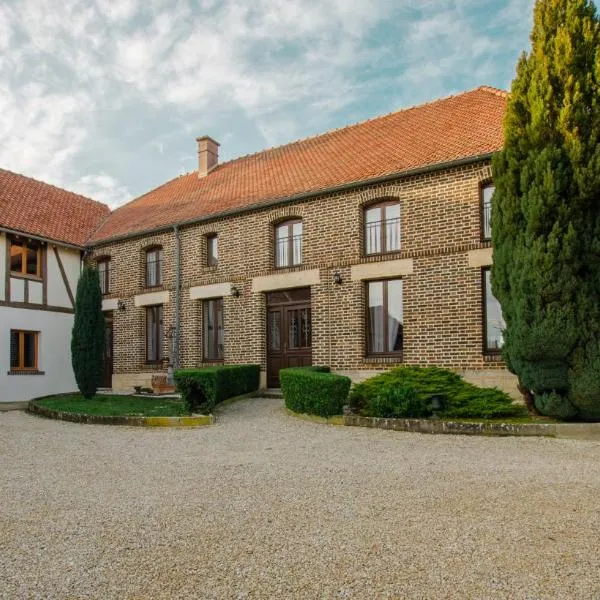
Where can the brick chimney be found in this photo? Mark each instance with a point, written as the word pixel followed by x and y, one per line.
pixel 208 155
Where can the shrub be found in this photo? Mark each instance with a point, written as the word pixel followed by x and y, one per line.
pixel 202 389
pixel 555 405
pixel 397 402
pixel 459 399
pixel 87 336
pixel 314 390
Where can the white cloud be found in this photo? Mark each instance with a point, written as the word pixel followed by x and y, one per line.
pixel 77 75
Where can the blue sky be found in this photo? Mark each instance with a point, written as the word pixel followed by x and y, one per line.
pixel 106 97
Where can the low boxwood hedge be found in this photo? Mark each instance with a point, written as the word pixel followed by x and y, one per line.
pixel 314 390
pixel 408 391
pixel 202 389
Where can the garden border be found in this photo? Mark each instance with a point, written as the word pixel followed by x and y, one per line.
pixel 573 431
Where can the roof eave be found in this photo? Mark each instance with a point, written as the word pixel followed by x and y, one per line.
pixel 41 238
pixel 300 197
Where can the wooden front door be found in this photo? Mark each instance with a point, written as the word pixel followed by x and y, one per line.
pixel 107 362
pixel 289 332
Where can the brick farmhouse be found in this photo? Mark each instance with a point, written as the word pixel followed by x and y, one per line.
pixel 363 248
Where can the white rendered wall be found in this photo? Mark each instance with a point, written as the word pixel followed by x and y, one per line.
pixel 57 293
pixel 54 354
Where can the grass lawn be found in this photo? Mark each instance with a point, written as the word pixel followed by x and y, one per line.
pixel 116 405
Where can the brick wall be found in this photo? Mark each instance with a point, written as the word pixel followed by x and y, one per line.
pixel 440 224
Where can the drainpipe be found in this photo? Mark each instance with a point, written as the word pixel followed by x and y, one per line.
pixel 177 295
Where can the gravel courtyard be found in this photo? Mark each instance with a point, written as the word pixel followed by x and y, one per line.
pixel 263 505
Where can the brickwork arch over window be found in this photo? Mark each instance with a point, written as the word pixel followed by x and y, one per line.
pixel 382 227
pixel 288 243
pixel 154 271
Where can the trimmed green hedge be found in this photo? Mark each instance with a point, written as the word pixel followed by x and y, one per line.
pixel 202 389
pixel 314 390
pixel 406 391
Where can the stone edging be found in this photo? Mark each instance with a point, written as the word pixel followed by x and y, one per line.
pixel 453 427
pixel 192 421
pixel 575 431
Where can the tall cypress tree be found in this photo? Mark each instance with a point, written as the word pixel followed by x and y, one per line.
pixel 546 214
pixel 87 339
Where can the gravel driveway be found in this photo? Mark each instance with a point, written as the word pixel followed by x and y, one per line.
pixel 263 505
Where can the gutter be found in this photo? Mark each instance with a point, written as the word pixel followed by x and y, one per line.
pixel 176 335
pixel 303 196
pixel 41 239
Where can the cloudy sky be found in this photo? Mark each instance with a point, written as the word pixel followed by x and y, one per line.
pixel 106 97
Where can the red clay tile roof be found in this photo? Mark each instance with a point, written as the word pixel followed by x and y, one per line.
pixel 453 128
pixel 46 211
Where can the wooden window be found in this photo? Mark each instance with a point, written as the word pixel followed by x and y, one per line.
pixel 487 192
pixel 154 258
pixel 25 258
pixel 288 243
pixel 154 333
pixel 212 331
pixel 493 321
pixel 382 227
pixel 104 275
pixel 23 350
pixel 385 317
pixel 212 250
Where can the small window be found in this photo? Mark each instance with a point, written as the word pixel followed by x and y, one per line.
pixel 493 320
pixel 25 258
pixel 385 317
pixel 382 228
pixel 288 244
pixel 23 350
pixel 104 275
pixel 212 250
pixel 487 192
pixel 154 258
pixel 213 333
pixel 154 333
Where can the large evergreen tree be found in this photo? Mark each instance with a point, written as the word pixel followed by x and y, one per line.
pixel 87 339
pixel 546 213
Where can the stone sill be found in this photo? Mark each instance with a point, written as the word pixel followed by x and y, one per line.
pixel 32 372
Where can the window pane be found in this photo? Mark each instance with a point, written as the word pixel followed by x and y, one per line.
pixel 392 227
pixel 297 243
pixel 29 350
pixel 376 317
pixel 220 330
pixel 103 276
pixel 373 230
pixel 14 349
pixel 212 250
pixel 282 246
pixel 488 192
pixel 395 315
pixel 16 257
pixel 159 333
pixel 495 324
pixel 32 260
pixel 151 341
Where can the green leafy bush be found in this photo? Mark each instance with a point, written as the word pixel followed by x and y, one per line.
pixel 397 402
pixel 314 390
pixel 555 405
pixel 202 389
pixel 459 399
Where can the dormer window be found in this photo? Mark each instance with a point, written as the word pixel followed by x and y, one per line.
pixel 25 258
pixel 212 250
pixel 382 227
pixel 154 258
pixel 288 243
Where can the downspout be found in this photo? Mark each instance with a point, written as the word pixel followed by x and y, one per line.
pixel 177 296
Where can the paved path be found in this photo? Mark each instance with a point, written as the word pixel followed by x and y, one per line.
pixel 263 505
